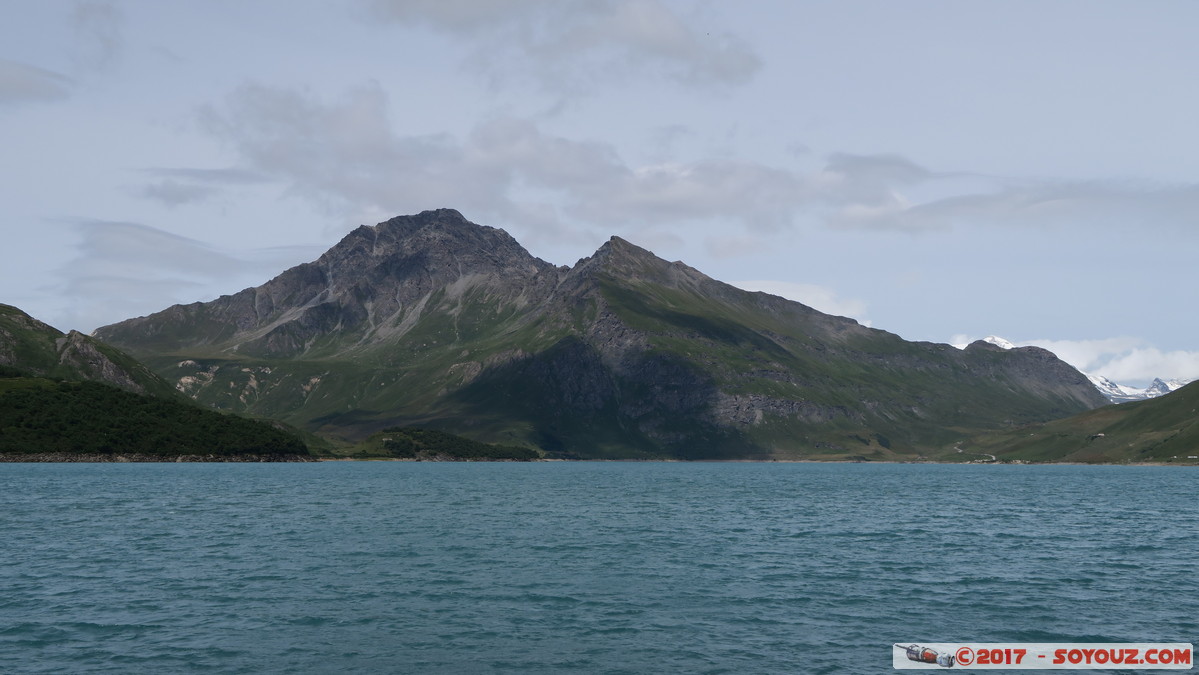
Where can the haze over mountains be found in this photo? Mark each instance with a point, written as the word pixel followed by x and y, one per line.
pixel 433 320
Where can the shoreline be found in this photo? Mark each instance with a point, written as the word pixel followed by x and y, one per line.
pixel 751 461
pixel 135 458
pixel 139 458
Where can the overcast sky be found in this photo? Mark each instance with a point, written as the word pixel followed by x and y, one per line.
pixel 941 169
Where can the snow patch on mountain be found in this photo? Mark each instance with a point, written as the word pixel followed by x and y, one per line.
pixel 1119 393
pixel 999 342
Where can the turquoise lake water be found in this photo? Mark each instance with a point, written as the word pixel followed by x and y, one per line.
pixel 580 567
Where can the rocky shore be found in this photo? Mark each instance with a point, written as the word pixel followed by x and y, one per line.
pixel 125 458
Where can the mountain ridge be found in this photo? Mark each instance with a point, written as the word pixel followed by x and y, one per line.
pixel 41 349
pixel 432 320
pixel 1114 392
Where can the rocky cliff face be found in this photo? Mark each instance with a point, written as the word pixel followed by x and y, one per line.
pixel 430 319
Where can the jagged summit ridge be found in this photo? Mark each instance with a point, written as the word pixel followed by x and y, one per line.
pixel 372 284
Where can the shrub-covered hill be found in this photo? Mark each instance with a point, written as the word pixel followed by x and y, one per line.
pixel 1164 429
pixel 433 445
pixel 42 418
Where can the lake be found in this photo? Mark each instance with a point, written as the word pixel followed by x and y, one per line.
pixel 580 567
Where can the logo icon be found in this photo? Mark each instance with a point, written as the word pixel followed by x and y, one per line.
pixel 927 655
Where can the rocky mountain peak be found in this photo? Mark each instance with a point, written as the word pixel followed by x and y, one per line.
pixel 620 258
pixel 440 238
pixel 369 287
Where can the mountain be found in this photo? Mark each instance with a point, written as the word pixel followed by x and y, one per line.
pixel 999 342
pixel 430 320
pixel 39 349
pixel 1162 429
pixel 1115 393
pixel 1160 387
pixel 1119 393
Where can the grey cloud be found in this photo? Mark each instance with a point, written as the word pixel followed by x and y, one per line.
pixel 125 269
pixel 345 155
pixel 98 34
pixel 889 192
pixel 1044 203
pixel 869 180
pixel 175 193
pixel 517 147
pixel 760 197
pixel 96 301
pixel 461 15
pixel 108 247
pixel 562 44
pixel 20 83
pixel 211 176
pixel 341 152
pixel 184 186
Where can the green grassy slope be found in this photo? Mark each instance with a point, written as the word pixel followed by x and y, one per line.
pixel 863 392
pixel 41 349
pixel 1164 429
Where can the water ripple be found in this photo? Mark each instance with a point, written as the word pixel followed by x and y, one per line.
pixel 579 567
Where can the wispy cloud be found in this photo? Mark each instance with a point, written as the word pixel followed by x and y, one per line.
pixel 568 45
pixel 345 155
pixel 891 193
pixel 22 83
pixel 125 269
pixel 99 36
pixel 179 186
pixel 176 193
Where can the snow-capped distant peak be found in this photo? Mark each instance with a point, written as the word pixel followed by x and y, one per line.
pixel 1160 387
pixel 999 342
pixel 1116 393
pixel 1119 393
pixel 963 341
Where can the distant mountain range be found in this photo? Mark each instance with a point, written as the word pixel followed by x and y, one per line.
pixel 1116 393
pixel 435 321
pixel 1119 393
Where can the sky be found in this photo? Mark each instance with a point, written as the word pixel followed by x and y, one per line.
pixel 940 169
